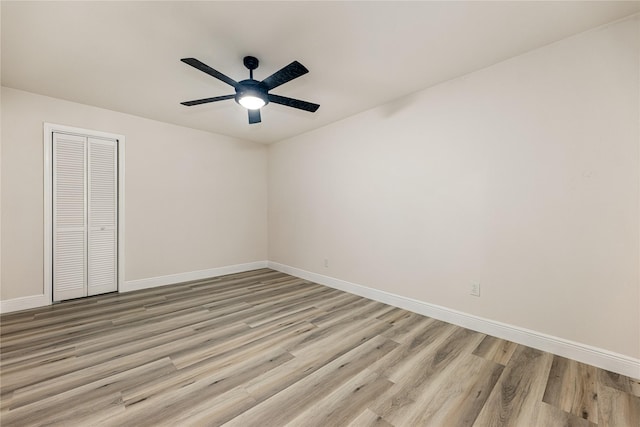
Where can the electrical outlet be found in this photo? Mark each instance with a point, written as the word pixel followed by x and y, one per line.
pixel 475 289
pixel 326 263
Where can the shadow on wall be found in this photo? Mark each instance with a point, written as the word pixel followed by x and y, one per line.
pixel 392 108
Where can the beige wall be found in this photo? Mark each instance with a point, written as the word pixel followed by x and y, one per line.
pixel 523 176
pixel 194 200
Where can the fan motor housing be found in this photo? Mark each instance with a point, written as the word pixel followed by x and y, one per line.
pixel 251 87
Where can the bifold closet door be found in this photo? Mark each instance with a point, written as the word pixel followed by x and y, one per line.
pixel 102 217
pixel 69 216
pixel 84 216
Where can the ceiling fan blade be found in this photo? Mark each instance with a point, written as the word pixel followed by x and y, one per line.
pixel 290 72
pixel 295 103
pixel 254 116
pixel 206 100
pixel 206 69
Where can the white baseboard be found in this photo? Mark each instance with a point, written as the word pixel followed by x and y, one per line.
pixel 598 357
pixel 24 303
pixel 601 358
pixel 152 282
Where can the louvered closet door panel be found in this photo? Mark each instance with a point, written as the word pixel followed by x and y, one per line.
pixel 103 216
pixel 69 217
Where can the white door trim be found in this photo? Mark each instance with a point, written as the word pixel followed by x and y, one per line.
pixel 48 130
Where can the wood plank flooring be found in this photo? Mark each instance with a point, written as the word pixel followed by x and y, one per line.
pixel 266 349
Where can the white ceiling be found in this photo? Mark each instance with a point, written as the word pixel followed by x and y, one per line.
pixel 125 56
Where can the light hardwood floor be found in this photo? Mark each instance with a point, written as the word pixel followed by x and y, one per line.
pixel 266 349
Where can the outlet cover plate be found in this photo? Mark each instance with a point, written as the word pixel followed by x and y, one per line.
pixel 475 289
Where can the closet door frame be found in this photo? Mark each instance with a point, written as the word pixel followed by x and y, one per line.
pixel 49 129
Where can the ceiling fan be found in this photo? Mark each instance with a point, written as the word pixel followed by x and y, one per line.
pixel 253 94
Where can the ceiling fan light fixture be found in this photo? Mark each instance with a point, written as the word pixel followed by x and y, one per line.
pixel 251 102
pixel 253 94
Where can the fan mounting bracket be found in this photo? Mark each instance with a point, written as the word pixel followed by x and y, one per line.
pixel 251 62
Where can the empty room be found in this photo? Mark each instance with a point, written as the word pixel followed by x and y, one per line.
pixel 329 213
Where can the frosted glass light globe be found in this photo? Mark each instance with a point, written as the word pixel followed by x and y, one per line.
pixel 251 102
